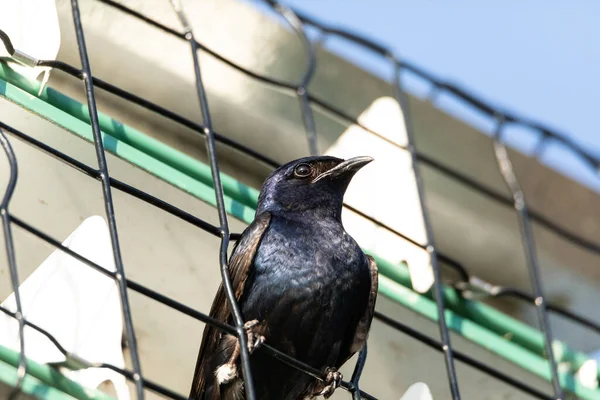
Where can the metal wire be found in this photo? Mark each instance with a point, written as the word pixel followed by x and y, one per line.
pixel 10 253
pixel 311 65
pixel 430 246
pixel 73 357
pixel 357 373
pixel 7 43
pixel 508 174
pixel 462 357
pixel 297 22
pixel 218 186
pixel 107 194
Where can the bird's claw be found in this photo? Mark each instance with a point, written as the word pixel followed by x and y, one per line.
pixel 254 339
pixel 333 380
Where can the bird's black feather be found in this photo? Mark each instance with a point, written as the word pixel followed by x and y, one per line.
pixel 240 263
pixel 298 272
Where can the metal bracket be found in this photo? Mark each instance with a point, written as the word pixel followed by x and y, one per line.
pixel 72 362
pixel 476 288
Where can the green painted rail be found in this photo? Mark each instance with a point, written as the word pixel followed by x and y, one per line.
pixel 44 381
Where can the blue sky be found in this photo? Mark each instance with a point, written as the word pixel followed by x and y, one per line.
pixel 537 58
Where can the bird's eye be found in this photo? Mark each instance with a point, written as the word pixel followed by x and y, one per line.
pixel 302 170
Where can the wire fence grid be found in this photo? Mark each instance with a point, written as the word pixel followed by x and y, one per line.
pixel 467 285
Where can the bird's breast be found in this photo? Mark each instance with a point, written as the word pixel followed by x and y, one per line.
pixel 308 281
pixel 318 249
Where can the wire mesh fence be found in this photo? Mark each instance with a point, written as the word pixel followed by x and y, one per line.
pixel 467 285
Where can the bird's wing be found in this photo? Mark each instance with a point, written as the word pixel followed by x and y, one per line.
pixel 364 324
pixel 240 263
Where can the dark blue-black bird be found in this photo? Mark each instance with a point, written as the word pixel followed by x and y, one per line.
pixel 301 281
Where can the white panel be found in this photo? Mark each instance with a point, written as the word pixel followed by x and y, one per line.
pixel 417 391
pixel 79 306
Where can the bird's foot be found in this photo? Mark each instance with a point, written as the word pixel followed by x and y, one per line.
pixel 333 380
pixel 254 339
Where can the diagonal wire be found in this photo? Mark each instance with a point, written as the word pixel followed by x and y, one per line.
pixel 107 194
pixel 430 248
pixel 196 127
pixel 472 286
pixel 75 359
pixel 508 174
pixel 467 359
pixel 115 183
pixel 225 236
pixel 130 284
pixel 311 65
pixel 519 294
pixel 10 253
pixel 358 370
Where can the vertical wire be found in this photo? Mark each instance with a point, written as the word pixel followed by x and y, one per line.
pixel 209 136
pixel 511 181
pixel 86 76
pixel 311 64
pixel 10 253
pixel 357 374
pixel 430 247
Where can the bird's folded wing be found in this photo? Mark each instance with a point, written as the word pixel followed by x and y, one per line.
pixel 362 329
pixel 240 263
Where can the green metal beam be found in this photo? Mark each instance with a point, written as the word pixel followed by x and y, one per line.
pixel 44 381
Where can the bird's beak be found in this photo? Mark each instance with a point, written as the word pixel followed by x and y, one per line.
pixel 350 165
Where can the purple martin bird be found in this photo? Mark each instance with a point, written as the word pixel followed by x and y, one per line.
pixel 301 281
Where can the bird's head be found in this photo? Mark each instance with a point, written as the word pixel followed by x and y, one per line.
pixel 309 183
